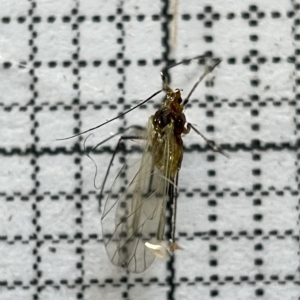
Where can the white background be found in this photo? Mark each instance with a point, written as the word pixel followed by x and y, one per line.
pixel 239 228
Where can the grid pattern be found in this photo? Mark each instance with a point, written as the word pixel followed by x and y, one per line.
pixel 68 66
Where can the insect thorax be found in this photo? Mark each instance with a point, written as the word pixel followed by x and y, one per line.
pixel 167 127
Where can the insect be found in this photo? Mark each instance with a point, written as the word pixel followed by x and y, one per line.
pixel 134 217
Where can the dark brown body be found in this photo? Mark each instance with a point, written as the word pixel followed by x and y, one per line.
pixel 168 126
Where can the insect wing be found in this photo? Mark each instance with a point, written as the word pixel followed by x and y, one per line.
pixel 137 215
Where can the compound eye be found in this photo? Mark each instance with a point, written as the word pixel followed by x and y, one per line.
pixel 162 118
pixel 165 119
pixel 179 124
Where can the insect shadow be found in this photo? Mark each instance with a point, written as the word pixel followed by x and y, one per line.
pixel 134 216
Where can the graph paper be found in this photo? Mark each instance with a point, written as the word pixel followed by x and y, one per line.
pixel 67 66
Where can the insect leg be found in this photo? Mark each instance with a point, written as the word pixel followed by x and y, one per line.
pixel 121 139
pixel 172 207
pixel 117 117
pixel 175 196
pixel 210 143
pixel 114 153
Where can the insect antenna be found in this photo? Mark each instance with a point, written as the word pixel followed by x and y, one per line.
pixel 185 61
pixel 207 71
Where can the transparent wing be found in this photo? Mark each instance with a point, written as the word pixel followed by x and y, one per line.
pixel 137 215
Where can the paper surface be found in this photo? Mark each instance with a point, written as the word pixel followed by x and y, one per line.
pixel 69 66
